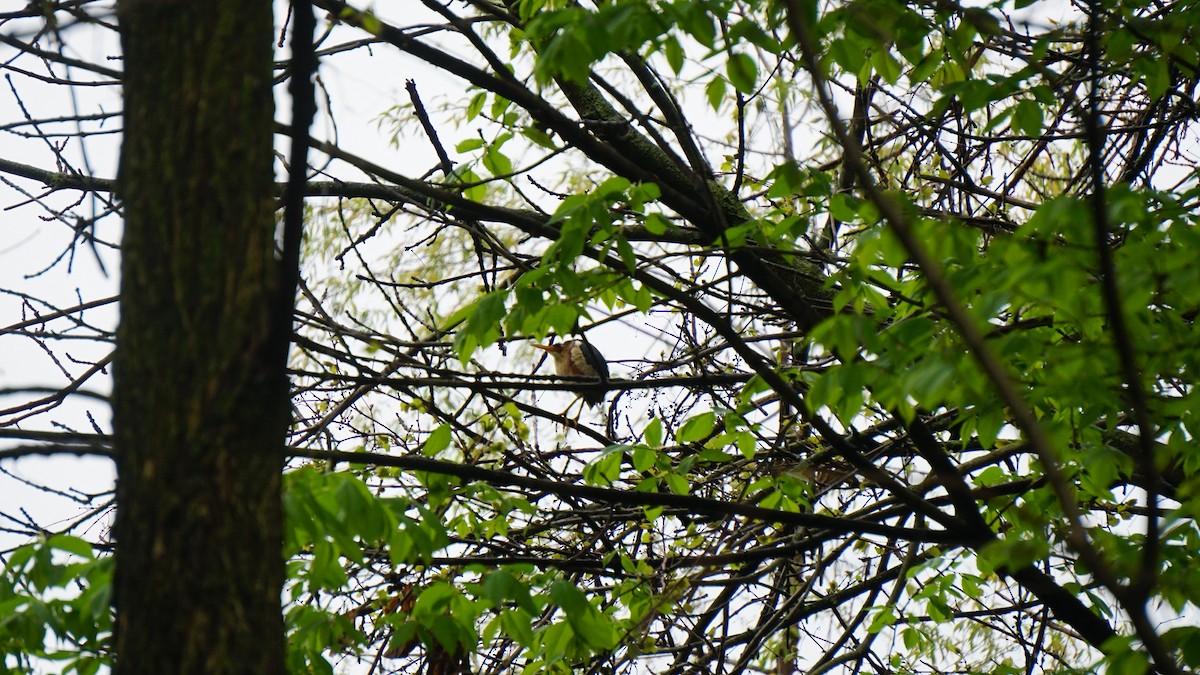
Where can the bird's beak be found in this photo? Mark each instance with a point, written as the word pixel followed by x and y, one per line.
pixel 544 348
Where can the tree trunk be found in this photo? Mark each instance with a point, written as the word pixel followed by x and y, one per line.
pixel 199 403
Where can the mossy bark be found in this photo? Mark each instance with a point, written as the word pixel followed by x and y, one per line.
pixel 199 404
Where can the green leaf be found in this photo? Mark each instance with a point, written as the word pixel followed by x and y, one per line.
pixel 477 190
pixel 747 444
pixel 925 67
pixel 325 569
pixel 755 385
pixel 750 31
pixel 848 54
pixel 437 441
pixel 695 19
pixel 742 72
pixel 656 224
pixel 824 390
pixel 475 106
pixel 714 92
pixel 643 300
pixel 605 470
pixel 612 187
pixel 677 484
pixel 483 322
pixel 370 23
pixel 988 426
pixel 654 433
pixel 674 53
pixel 939 610
pixel 469 145
pixel 844 206
pixel 518 625
pixel 625 251
pixel 697 428
pixel 71 544
pixel 1012 552
pixel 499 105
pixel 1158 77
pixel 886 65
pixel 497 162
pixel 928 380
pixel 1027 118
pixel 498 586
pixel 590 625
pixel 1186 640
pixel 540 137
pixel 643 458
pixel 713 455
pixel 884 617
pixel 1123 658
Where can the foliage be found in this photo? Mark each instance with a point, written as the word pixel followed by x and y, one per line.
pixel 807 460
pixel 54 600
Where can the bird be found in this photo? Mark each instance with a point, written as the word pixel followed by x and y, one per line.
pixel 578 358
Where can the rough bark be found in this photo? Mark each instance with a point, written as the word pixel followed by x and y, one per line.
pixel 199 403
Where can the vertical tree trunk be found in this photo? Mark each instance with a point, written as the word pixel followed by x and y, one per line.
pixel 199 405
